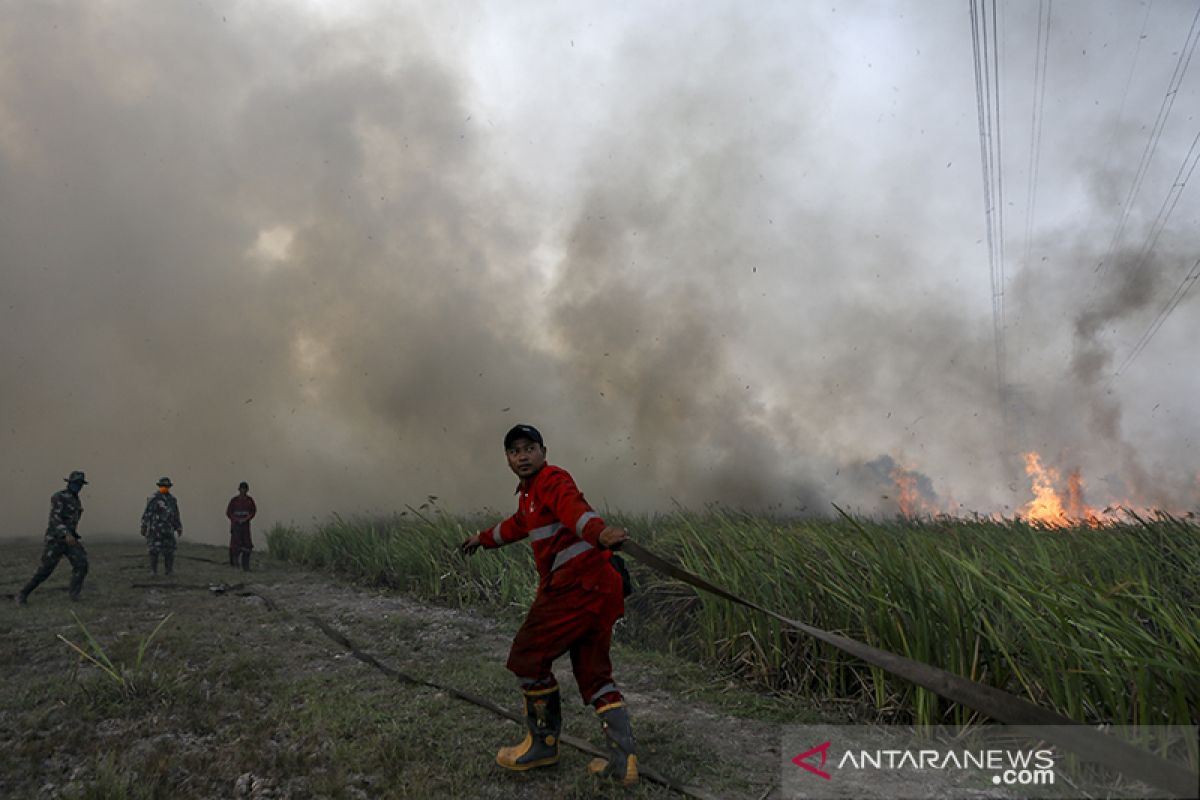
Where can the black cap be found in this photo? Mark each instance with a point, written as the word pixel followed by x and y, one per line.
pixel 243 485
pixel 75 477
pixel 522 432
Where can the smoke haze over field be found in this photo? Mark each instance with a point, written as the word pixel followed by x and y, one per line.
pixel 726 253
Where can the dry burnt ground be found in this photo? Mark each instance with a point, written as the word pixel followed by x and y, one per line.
pixel 234 699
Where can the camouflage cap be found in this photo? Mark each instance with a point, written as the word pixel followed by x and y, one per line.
pixel 76 476
pixel 164 481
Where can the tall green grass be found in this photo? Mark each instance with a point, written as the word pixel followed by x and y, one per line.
pixel 416 553
pixel 1100 624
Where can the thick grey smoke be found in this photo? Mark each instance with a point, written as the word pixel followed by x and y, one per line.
pixel 246 251
pixel 716 257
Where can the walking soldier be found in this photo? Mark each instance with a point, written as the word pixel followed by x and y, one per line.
pixel 62 538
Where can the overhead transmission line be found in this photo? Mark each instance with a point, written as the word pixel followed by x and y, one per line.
pixel 1035 125
pixel 1189 279
pixel 1159 223
pixel 1168 206
pixel 985 50
pixel 1112 136
pixel 1164 111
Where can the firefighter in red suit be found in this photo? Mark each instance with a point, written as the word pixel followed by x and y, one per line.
pixel 579 597
pixel 240 511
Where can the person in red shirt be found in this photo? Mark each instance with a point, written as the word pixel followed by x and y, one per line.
pixel 240 511
pixel 579 597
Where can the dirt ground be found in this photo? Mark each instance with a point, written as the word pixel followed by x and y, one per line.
pixel 234 699
pixel 239 694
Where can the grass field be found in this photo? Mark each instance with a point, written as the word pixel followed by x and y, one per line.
pixel 231 699
pixel 1099 624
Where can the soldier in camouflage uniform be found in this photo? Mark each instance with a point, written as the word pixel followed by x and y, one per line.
pixel 62 538
pixel 160 526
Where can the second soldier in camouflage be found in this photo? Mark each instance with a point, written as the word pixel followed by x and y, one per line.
pixel 161 526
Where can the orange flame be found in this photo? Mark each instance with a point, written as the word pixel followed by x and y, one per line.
pixel 909 497
pixel 1054 505
pixel 1047 508
pixel 1076 508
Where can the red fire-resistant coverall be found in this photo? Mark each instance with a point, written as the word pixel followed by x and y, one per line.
pixel 579 593
pixel 241 510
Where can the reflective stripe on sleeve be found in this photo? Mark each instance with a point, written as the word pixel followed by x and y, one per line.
pixel 584 520
pixel 496 540
pixel 565 555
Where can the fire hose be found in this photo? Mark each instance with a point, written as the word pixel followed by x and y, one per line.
pixel 1086 742
pixel 1078 738
pixel 470 697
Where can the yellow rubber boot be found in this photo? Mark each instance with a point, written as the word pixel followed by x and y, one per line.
pixel 621 764
pixel 539 748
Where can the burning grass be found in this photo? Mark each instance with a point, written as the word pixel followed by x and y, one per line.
pixel 1098 623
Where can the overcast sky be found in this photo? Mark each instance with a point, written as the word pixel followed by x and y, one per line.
pixel 728 252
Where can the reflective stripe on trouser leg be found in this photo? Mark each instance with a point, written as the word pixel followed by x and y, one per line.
pixel 603 690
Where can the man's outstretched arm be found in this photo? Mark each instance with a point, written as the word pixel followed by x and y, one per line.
pixel 502 533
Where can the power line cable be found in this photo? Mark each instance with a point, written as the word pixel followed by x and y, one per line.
pixel 1181 291
pixel 1112 136
pixel 1164 111
pixel 1156 229
pixel 998 178
pixel 987 92
pixel 1168 205
pixel 1035 126
pixel 1040 62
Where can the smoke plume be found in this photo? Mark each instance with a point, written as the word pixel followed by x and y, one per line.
pixel 729 257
